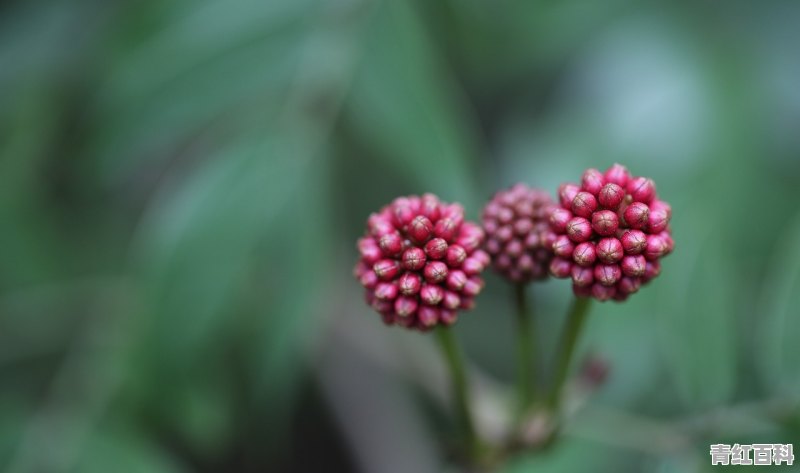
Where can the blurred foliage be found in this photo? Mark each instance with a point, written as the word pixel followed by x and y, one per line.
pixel 182 182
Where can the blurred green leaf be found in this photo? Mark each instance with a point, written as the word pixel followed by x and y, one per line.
pixel 408 110
pixel 697 311
pixel 124 452
pixel 780 314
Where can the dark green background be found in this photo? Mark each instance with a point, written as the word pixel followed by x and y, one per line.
pixel 182 184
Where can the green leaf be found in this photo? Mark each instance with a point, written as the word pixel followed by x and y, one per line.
pixel 403 105
pixel 780 316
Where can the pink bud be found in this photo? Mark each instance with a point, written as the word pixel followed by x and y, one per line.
pixel 618 174
pixel 445 229
pixel 641 189
pixel 420 229
pixel 629 285
pixel 592 181
pixel 661 205
pixel 559 219
pixel 609 250
pixel 607 274
pixel 585 254
pixel 370 251
pixel 656 247
pixel 386 269
pixel 610 196
pixel 567 192
pixel 435 271
pixel 448 317
pixel 657 220
pixel 579 229
pixel 436 248
pixel 472 266
pixel 378 225
pixel 409 283
pixel 634 242
pixel 603 293
pixel 584 204
pixel 582 277
pixel 391 244
pixel 482 257
pixel 455 256
pixel 451 300
pixel 563 246
pixel 473 286
pixel 368 279
pixel 636 215
pixel 633 266
pixel 402 212
pixel 428 316
pixel 651 271
pixel 523 226
pixel 405 306
pixel 431 294
pixel 505 215
pixel 414 259
pixel 385 291
pixel 456 280
pixel 560 267
pixel 514 248
pixel 605 222
pixel 429 207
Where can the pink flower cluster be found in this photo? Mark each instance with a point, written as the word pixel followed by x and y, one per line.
pixel 421 262
pixel 612 230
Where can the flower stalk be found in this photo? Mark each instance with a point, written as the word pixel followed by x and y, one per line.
pixel 576 320
pixel 459 389
pixel 526 374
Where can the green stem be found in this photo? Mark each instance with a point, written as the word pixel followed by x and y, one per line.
pixel 575 322
pixel 526 374
pixel 460 389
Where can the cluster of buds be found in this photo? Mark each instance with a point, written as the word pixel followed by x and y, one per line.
pixel 518 233
pixel 421 262
pixel 612 230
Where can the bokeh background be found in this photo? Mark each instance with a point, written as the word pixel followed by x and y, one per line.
pixel 182 184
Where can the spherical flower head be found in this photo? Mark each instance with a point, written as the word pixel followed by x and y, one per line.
pixel 421 262
pixel 611 232
pixel 518 234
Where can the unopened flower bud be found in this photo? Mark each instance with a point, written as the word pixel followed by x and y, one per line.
pixel 607 274
pixel 386 269
pixel 409 283
pixel 560 267
pixel 579 230
pixel 584 204
pixel 633 265
pixel 414 259
pixel 617 174
pixel 609 250
pixel 641 189
pixel 455 256
pixel 592 181
pixel 585 254
pixel 420 229
pixel 636 215
pixel 391 244
pixel 605 222
pixel 610 196
pixel 567 193
pixel 634 242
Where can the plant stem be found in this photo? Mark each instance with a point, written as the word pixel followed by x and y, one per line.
pixel 526 374
pixel 460 389
pixel 575 322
